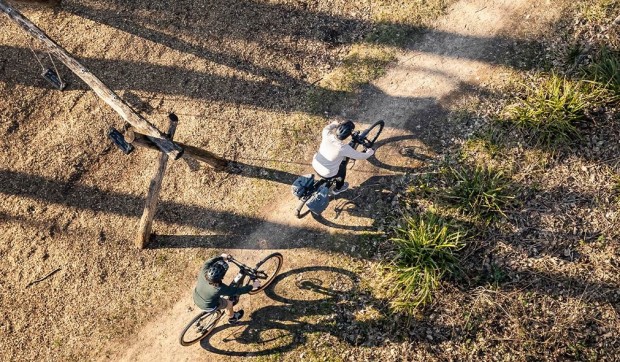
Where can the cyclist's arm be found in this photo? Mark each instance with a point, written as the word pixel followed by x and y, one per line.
pixel 230 291
pixel 348 151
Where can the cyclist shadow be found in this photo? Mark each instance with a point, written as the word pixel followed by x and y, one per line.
pixel 368 200
pixel 323 300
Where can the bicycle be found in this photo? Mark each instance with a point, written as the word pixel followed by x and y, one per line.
pixel 202 324
pixel 365 138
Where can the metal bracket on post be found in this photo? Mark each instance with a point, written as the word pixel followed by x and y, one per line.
pixel 118 139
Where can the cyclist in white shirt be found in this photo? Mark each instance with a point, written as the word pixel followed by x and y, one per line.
pixel 328 161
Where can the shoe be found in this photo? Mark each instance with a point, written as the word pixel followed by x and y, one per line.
pixel 236 316
pixel 344 188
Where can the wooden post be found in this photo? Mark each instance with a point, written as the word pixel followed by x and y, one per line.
pixel 198 154
pixel 105 93
pixel 150 207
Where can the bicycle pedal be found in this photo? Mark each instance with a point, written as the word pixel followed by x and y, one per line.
pixel 118 139
pixel 53 79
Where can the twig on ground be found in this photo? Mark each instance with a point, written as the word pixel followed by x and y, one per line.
pixel 42 279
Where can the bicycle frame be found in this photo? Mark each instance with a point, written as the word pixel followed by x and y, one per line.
pixel 244 271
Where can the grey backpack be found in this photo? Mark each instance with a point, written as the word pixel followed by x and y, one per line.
pixel 317 203
pixel 302 184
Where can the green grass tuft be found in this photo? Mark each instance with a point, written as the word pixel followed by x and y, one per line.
pixel 553 110
pixel 426 248
pixel 606 69
pixel 481 193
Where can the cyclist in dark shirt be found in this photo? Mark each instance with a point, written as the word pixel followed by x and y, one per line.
pixel 210 288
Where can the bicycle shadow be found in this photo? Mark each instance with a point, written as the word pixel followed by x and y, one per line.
pixel 410 153
pixel 371 198
pixel 313 300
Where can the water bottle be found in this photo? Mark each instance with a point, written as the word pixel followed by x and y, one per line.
pixel 237 278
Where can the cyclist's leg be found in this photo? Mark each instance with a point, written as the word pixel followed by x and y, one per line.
pixel 233 317
pixel 342 173
pixel 226 305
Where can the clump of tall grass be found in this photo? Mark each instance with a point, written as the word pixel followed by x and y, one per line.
pixel 425 252
pixel 606 69
pixel 553 110
pixel 482 192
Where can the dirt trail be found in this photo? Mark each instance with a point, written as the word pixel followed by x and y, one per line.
pixel 411 98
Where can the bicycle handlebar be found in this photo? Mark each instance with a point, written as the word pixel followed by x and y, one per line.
pixel 242 266
pixel 357 139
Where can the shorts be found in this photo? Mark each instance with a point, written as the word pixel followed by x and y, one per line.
pixel 223 304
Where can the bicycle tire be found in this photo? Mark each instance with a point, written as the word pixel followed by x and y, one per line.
pixel 299 207
pixel 371 134
pixel 200 334
pixel 277 257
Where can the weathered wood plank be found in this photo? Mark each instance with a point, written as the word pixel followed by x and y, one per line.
pixel 214 161
pixel 105 93
pixel 152 196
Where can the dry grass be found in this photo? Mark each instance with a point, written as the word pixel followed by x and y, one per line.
pixel 540 283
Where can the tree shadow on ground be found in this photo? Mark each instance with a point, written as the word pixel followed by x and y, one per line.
pixel 317 299
pixel 506 253
pixel 537 239
pixel 170 80
pixel 533 213
pixel 222 227
pixel 261 172
pixel 372 198
pixel 161 79
pixel 283 33
pixel 271 24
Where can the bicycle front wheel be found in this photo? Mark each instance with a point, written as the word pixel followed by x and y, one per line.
pixel 199 327
pixel 267 269
pixel 371 134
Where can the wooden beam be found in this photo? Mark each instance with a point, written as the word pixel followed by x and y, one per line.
pixel 198 154
pixel 105 93
pixel 150 206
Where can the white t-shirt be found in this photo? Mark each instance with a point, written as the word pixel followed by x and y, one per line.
pixel 333 151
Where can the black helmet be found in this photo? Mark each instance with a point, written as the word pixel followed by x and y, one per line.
pixel 216 272
pixel 344 130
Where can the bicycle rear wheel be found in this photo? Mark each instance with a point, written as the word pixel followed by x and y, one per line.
pixel 371 134
pixel 267 269
pixel 199 327
pixel 300 206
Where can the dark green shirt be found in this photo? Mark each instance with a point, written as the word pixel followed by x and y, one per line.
pixel 207 296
